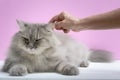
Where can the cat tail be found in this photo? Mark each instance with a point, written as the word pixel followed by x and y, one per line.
pixel 100 56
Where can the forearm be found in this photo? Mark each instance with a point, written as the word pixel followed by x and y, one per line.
pixel 109 20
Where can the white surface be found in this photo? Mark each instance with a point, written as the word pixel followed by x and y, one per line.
pixel 95 71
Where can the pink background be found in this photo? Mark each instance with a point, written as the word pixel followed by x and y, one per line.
pixel 42 10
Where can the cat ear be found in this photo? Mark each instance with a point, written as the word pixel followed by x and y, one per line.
pixel 50 26
pixel 22 25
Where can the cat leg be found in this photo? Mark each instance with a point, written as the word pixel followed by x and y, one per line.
pixel 67 69
pixel 6 66
pixel 18 70
pixel 84 63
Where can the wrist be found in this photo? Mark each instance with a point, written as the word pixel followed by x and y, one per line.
pixel 78 25
pixel 83 24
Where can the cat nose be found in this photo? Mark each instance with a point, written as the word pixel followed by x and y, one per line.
pixel 31 46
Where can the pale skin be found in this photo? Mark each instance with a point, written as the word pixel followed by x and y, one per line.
pixel 66 22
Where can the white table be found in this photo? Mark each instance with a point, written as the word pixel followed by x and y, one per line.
pixel 96 71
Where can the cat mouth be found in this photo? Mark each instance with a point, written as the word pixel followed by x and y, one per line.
pixel 31 50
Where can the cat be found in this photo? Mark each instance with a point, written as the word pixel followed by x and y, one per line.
pixel 38 48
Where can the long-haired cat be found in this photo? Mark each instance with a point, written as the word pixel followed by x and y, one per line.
pixel 37 48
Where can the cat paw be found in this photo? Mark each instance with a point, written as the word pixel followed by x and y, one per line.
pixel 18 70
pixel 84 64
pixel 70 70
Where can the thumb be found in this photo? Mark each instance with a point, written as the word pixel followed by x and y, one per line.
pixel 61 26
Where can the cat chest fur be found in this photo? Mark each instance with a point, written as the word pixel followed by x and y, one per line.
pixel 40 63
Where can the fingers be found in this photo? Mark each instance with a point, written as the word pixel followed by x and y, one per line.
pixel 57 18
pixel 61 26
pixel 54 19
pixel 66 31
pixel 59 22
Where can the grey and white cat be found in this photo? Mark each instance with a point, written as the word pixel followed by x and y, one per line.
pixel 37 48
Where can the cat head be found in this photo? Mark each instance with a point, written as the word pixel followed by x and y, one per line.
pixel 35 37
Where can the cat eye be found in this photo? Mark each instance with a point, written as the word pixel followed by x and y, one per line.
pixel 26 40
pixel 38 39
pixel 25 25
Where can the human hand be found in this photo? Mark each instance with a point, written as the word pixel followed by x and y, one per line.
pixel 65 22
